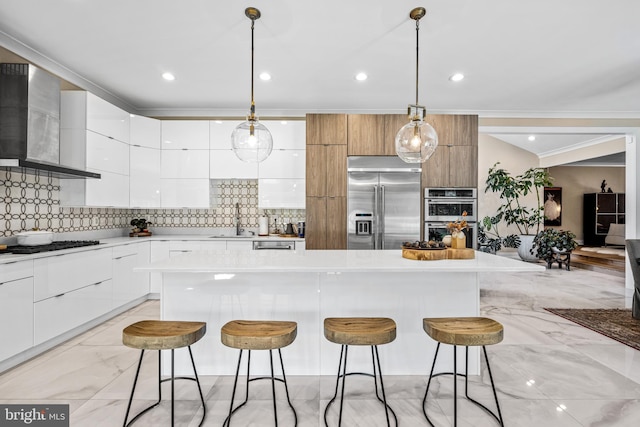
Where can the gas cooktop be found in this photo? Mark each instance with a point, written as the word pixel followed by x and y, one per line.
pixel 55 246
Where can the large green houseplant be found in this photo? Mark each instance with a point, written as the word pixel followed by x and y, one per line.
pixel 512 191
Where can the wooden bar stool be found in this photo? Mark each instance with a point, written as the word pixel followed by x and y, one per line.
pixel 372 331
pixel 259 335
pixel 163 335
pixel 465 331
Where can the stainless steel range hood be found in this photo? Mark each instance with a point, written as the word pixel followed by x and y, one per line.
pixel 30 122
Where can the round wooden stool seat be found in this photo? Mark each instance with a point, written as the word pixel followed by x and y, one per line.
pixel 162 334
pixel 465 331
pixel 360 330
pixel 258 334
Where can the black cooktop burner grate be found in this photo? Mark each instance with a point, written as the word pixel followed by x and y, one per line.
pixel 55 246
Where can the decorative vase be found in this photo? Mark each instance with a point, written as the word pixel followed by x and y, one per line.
pixel 524 250
pixel 458 240
pixel 446 240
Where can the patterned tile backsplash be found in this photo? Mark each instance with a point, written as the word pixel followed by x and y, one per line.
pixel 33 201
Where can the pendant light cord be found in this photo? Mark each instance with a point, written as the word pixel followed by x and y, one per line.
pixel 417 56
pixel 253 105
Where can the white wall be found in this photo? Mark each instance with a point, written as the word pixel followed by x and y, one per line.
pixel 512 159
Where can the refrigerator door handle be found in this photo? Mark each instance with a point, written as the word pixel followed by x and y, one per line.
pixel 382 217
pixel 376 218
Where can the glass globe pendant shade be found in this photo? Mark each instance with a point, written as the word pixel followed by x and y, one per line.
pixel 251 141
pixel 416 141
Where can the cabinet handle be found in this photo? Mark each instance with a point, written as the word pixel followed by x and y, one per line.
pixel 97 283
pixel 125 256
pixel 58 296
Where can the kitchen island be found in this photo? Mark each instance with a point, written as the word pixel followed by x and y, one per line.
pixel 308 286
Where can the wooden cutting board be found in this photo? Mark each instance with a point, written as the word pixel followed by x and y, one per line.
pixel 437 254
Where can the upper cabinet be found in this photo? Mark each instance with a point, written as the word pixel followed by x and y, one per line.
pixel 287 134
pixel 455 161
pixel 365 135
pixel 94 135
pixel 83 110
pixel 145 132
pixel 220 133
pixel 144 165
pixel 185 134
pixel 326 129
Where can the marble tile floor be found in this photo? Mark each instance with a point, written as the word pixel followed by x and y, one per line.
pixel 549 372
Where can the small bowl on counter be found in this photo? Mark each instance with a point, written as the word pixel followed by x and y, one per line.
pixel 35 238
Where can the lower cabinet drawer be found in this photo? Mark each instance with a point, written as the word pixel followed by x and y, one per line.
pixel 57 315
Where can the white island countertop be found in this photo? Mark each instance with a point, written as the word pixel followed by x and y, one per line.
pixel 309 286
pixel 331 261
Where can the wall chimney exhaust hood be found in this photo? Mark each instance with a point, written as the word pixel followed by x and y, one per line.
pixel 30 122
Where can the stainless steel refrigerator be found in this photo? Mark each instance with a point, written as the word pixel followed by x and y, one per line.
pixel 383 202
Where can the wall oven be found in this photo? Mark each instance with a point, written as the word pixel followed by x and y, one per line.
pixel 448 204
pixel 444 205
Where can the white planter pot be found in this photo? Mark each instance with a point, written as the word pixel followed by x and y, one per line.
pixel 524 250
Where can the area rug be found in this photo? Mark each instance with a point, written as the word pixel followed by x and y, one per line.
pixel 614 323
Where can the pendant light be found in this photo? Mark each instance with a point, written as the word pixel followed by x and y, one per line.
pixel 417 140
pixel 251 140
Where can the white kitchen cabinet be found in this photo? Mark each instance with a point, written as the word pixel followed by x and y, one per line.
pixel 281 193
pixel 190 134
pixel 144 177
pixel 94 136
pixel 283 164
pixel 178 247
pixel 184 193
pixel 105 154
pixel 220 133
pixel 127 284
pixel 287 134
pixel 61 313
pixel 84 110
pixel 145 132
pixel 185 164
pixel 16 308
pixel 111 190
pixel 58 274
pixel 224 164
pixel 239 245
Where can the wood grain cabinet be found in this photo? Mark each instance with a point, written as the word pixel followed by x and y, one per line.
pixel 455 161
pixel 326 181
pixel 365 135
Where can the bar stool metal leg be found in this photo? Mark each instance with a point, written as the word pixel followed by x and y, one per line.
pixel 160 381
pixel 466 386
pixel 232 410
pixel 377 371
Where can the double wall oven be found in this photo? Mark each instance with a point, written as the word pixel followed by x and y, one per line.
pixel 444 205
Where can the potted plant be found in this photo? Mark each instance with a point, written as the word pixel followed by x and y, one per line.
pixel 489 236
pixel 140 224
pixel 513 211
pixel 550 242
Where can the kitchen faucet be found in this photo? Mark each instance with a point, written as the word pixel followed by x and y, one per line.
pixel 238 229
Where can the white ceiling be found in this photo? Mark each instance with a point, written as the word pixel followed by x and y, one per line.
pixel 549 58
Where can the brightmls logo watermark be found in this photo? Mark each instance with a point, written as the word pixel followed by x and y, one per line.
pixel 34 415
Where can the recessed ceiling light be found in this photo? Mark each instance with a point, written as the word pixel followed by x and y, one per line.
pixel 284 122
pixel 531 138
pixel 361 77
pixel 265 76
pixel 456 77
pixel 168 76
pixel 218 122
